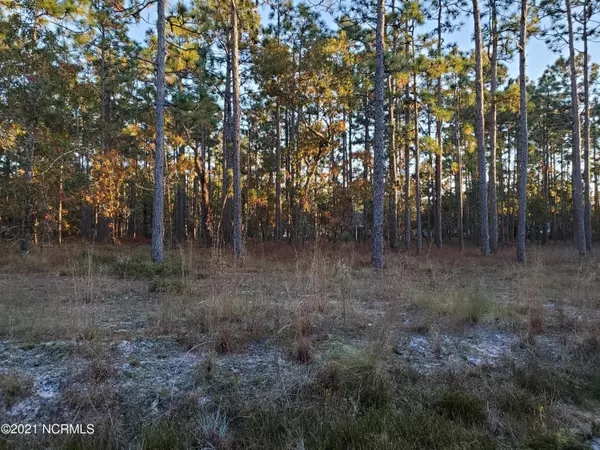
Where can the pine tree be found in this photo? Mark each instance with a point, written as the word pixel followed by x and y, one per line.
pixel 479 132
pixel 493 128
pixel 158 230
pixel 524 142
pixel 237 175
pixel 379 178
pixel 576 139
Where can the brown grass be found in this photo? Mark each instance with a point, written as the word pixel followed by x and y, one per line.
pixel 309 301
pixel 285 291
pixel 14 387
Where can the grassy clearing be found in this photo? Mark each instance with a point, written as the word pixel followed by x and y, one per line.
pixel 339 329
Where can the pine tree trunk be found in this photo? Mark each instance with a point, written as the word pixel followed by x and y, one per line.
pixel 102 223
pixel 344 150
pixel 493 132
pixel 237 191
pixel 195 196
pixel 59 224
pixel 418 162
pixel 278 173
pixel 459 194
pixel 158 230
pixel 509 211
pixel 479 133
pixel 366 159
pixel 180 204
pixel 407 231
pixel 350 148
pixel 523 147
pixel 586 133
pixel 431 183
pixel 576 137
pixel 438 135
pixel 205 209
pixel 393 198
pixel 379 174
pixel 226 212
pixel 132 201
pixel 596 198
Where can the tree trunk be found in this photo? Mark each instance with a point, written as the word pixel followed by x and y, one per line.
pixel 493 132
pixel 479 132
pixel 366 159
pixel 393 198
pixel 278 173
pixel 596 198
pixel 195 196
pixel 344 151
pixel 205 208
pixel 586 132
pixel 418 162
pixel 131 218
pixel 350 148
pixel 576 137
pixel 59 224
pixel 379 174
pixel 226 212
pixel 202 226
pixel 158 230
pixel 438 135
pixel 180 204
pixel 459 196
pixel 407 159
pixel 509 223
pixel 237 191
pixel 523 147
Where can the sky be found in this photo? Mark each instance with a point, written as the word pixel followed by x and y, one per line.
pixel 538 55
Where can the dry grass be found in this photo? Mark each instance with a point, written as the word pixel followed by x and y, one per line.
pixel 305 302
pixel 14 387
pixel 288 294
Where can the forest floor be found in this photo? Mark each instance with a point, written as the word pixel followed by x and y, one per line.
pixel 300 348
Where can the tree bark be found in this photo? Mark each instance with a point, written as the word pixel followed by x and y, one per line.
pixel 349 147
pixel 59 224
pixel 180 204
pixel 226 213
pixel 132 201
pixel 493 132
pixel 586 132
pixel 479 132
pixel 205 208
pixel 407 231
pixel 158 230
pixel 278 173
pixel 509 231
pixel 393 167
pixel 237 191
pixel 418 163
pixel 576 138
pixel 523 147
pixel 366 160
pixel 459 195
pixel 379 149
pixel 596 198
pixel 438 135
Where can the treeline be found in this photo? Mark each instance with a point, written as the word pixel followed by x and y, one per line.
pixel 372 125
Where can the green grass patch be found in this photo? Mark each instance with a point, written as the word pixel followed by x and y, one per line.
pixel 458 405
pixel 166 286
pixel 145 269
